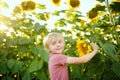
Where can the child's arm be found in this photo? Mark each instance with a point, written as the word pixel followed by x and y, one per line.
pixel 83 59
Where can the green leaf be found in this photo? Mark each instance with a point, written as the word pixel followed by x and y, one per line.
pixel 56 13
pixel 100 8
pixel 41 16
pixel 60 23
pixel 41 75
pixel 44 55
pixel 18 66
pixel 23 48
pixel 40 6
pixel 76 70
pixel 116 68
pixel 3 54
pixel 11 42
pixel 11 63
pixel 26 75
pixel 3 4
pixel 115 6
pixel 38 27
pixel 35 65
pixel 109 49
pixel 3 67
pixel 1 39
pixel 101 0
pixel 9 78
pixel 34 49
pixel 24 40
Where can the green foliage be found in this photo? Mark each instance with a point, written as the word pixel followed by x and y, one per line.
pixel 3 4
pixel 35 65
pixel 115 67
pixel 22 55
pixel 101 0
pixel 115 6
pixel 109 49
pixel 99 8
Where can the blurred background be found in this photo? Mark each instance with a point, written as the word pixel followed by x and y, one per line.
pixel 24 24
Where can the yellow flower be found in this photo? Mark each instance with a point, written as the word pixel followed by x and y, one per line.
pixel 31 5
pixel 42 33
pixel 98 5
pixel 82 22
pixel 118 28
pixel 47 16
pixel 17 9
pixel 24 5
pixel 115 0
pixel 82 48
pixel 74 3
pixel 92 14
pixel 56 2
pixel 28 5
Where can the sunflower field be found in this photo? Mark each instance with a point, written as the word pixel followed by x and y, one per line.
pixel 22 55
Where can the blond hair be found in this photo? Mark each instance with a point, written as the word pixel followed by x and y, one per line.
pixel 54 36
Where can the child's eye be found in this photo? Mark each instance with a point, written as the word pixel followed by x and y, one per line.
pixel 60 41
pixel 53 43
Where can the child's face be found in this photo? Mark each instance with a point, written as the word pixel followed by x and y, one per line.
pixel 56 46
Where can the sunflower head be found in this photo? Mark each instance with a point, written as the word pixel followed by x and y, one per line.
pixel 74 3
pixel 28 5
pixel 56 2
pixel 92 14
pixel 31 5
pixel 24 5
pixel 82 48
pixel 98 5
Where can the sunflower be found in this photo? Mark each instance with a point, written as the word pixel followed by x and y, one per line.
pixel 115 0
pixel 74 3
pixel 47 16
pixel 118 28
pixel 82 22
pixel 31 5
pixel 17 9
pixel 82 48
pixel 56 2
pixel 28 5
pixel 92 14
pixel 24 5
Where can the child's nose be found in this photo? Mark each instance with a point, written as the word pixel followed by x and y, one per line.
pixel 58 44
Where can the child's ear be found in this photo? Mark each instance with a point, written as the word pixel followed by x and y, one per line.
pixel 49 50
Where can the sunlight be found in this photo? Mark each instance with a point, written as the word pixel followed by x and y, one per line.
pixel 9 31
pixel 3 27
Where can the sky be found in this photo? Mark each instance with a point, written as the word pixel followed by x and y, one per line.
pixel 85 5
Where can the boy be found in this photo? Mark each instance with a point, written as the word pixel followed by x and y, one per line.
pixel 54 43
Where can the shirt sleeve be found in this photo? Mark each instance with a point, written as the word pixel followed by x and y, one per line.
pixel 61 59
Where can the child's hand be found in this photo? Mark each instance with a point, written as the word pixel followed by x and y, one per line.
pixel 95 47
